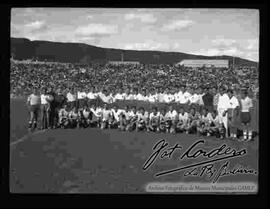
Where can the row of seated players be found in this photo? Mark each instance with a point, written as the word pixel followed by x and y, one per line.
pixel 131 119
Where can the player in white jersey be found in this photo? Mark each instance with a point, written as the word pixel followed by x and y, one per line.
pixel 204 122
pixel 154 120
pixel 162 120
pixel 216 125
pixel 171 118
pixel 192 122
pixel 245 105
pixel 182 121
pixel 63 117
pixel 96 114
pixel 81 98
pixel 91 97
pixel 233 112
pixel 44 109
pixel 106 117
pixel 131 119
pixel 116 115
pixel 84 116
pixel 123 118
pixel 33 103
pixel 142 120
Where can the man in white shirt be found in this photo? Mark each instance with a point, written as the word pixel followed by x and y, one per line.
pixel 116 113
pixel 106 117
pixel 246 104
pixel 71 99
pixel 154 120
pixel 194 98
pixel 96 115
pixel 185 98
pixel 81 96
pixel 45 109
pixel 216 125
pixel 161 97
pixel 119 96
pixel 222 107
pixel 182 121
pixel 178 96
pixel 106 98
pixel 140 97
pixel 142 120
pixel 131 118
pixel 33 103
pixel 91 96
pixel 171 118
pixel 232 113
pixel 63 117
pixel 151 98
pixel 200 96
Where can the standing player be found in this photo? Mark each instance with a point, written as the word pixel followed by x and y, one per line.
pixel 222 108
pixel 106 117
pixel 154 120
pixel 232 114
pixel 245 105
pixel 81 95
pixel 44 109
pixel 33 103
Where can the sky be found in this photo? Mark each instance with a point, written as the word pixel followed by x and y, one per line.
pixel 210 32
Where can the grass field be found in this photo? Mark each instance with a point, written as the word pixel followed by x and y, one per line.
pixel 95 161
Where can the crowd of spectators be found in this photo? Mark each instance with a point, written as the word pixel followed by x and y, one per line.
pixel 24 76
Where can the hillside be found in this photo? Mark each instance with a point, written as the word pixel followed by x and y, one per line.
pixel 22 48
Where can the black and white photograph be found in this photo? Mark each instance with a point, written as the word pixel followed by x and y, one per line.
pixel 134 100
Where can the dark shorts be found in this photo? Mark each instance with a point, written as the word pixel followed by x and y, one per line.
pixel 34 108
pixel 245 117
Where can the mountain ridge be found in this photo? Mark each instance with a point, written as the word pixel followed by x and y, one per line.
pixel 23 48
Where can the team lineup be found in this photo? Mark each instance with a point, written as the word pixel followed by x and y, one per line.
pixel 183 113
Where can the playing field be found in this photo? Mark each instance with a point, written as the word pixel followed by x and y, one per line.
pixel 95 161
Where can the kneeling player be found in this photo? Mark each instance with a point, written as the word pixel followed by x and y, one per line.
pixel 95 116
pixel 154 120
pixel 182 121
pixel 170 120
pixel 131 119
pixel 216 127
pixel 123 118
pixel 63 117
pixel 162 121
pixel 192 122
pixel 142 120
pixel 115 119
pixel 73 118
pixel 204 123
pixel 84 121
